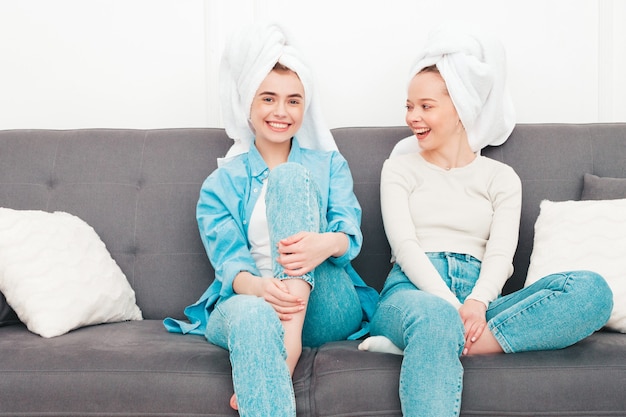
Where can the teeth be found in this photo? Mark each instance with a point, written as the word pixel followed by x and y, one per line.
pixel 278 125
pixel 422 130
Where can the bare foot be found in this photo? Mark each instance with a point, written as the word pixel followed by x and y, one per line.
pixel 233 402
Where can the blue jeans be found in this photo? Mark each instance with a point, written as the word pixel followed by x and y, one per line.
pixel 555 312
pixel 250 328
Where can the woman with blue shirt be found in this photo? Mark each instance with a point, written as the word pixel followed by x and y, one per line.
pixel 280 223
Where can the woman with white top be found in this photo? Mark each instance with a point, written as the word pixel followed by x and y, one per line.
pixel 452 219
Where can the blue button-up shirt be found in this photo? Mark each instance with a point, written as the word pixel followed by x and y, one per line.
pixel 225 206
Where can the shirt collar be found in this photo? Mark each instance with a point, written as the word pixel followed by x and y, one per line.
pixel 258 165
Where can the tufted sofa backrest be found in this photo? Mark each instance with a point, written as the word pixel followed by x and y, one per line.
pixel 551 160
pixel 139 188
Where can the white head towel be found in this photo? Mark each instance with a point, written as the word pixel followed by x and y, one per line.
pixel 248 58
pixel 473 66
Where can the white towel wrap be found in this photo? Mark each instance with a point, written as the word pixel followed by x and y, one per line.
pixel 248 57
pixel 473 65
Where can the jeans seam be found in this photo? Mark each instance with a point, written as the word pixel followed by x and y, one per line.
pixel 496 329
pixel 403 315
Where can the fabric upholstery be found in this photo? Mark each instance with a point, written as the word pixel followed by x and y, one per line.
pixel 134 188
pixel 139 188
pixel 603 188
pixel 7 315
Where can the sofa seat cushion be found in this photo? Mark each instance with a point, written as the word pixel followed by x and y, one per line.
pixel 128 368
pixel 545 383
pixel 133 368
pixel 564 382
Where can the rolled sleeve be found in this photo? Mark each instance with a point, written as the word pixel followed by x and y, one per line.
pixel 344 210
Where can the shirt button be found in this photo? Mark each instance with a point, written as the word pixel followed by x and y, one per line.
pixel 256 190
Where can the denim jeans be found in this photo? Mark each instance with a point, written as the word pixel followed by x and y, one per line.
pixel 554 312
pixel 250 328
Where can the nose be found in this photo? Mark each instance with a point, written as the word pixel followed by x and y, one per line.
pixel 280 109
pixel 413 115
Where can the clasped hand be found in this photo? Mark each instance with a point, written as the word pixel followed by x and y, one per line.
pixel 473 315
pixel 298 254
pixel 301 253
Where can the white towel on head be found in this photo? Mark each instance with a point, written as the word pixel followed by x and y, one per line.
pixel 473 65
pixel 248 58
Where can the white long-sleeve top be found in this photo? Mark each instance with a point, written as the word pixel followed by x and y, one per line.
pixel 472 210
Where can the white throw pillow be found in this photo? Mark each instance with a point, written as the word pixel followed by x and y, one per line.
pixel 590 235
pixel 57 274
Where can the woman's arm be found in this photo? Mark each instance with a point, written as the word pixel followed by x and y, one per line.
pixel 221 228
pixel 219 214
pixel 343 213
pixel 505 192
pixel 304 251
pixel 396 186
pixel 272 290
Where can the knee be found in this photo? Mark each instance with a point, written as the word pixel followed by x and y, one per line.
pixel 253 313
pixel 254 330
pixel 431 318
pixel 437 316
pixel 594 293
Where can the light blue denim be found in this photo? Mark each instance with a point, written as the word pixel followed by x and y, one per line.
pixel 249 327
pixel 228 197
pixel 553 313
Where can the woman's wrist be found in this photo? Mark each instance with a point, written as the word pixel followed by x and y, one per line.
pixel 477 303
pixel 244 283
pixel 340 244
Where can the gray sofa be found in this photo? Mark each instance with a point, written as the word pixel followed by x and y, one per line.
pixel 138 189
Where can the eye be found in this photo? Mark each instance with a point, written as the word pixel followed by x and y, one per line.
pixel 408 107
pixel 294 102
pixel 426 106
pixel 267 99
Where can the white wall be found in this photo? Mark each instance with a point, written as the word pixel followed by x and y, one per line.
pixel 153 63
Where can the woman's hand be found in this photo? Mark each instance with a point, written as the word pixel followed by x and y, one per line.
pixel 301 253
pixel 473 314
pixel 272 290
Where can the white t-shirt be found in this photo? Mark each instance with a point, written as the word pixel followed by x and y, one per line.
pixel 259 236
pixel 472 210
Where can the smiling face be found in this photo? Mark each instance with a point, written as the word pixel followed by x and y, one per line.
pixel 430 111
pixel 277 110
